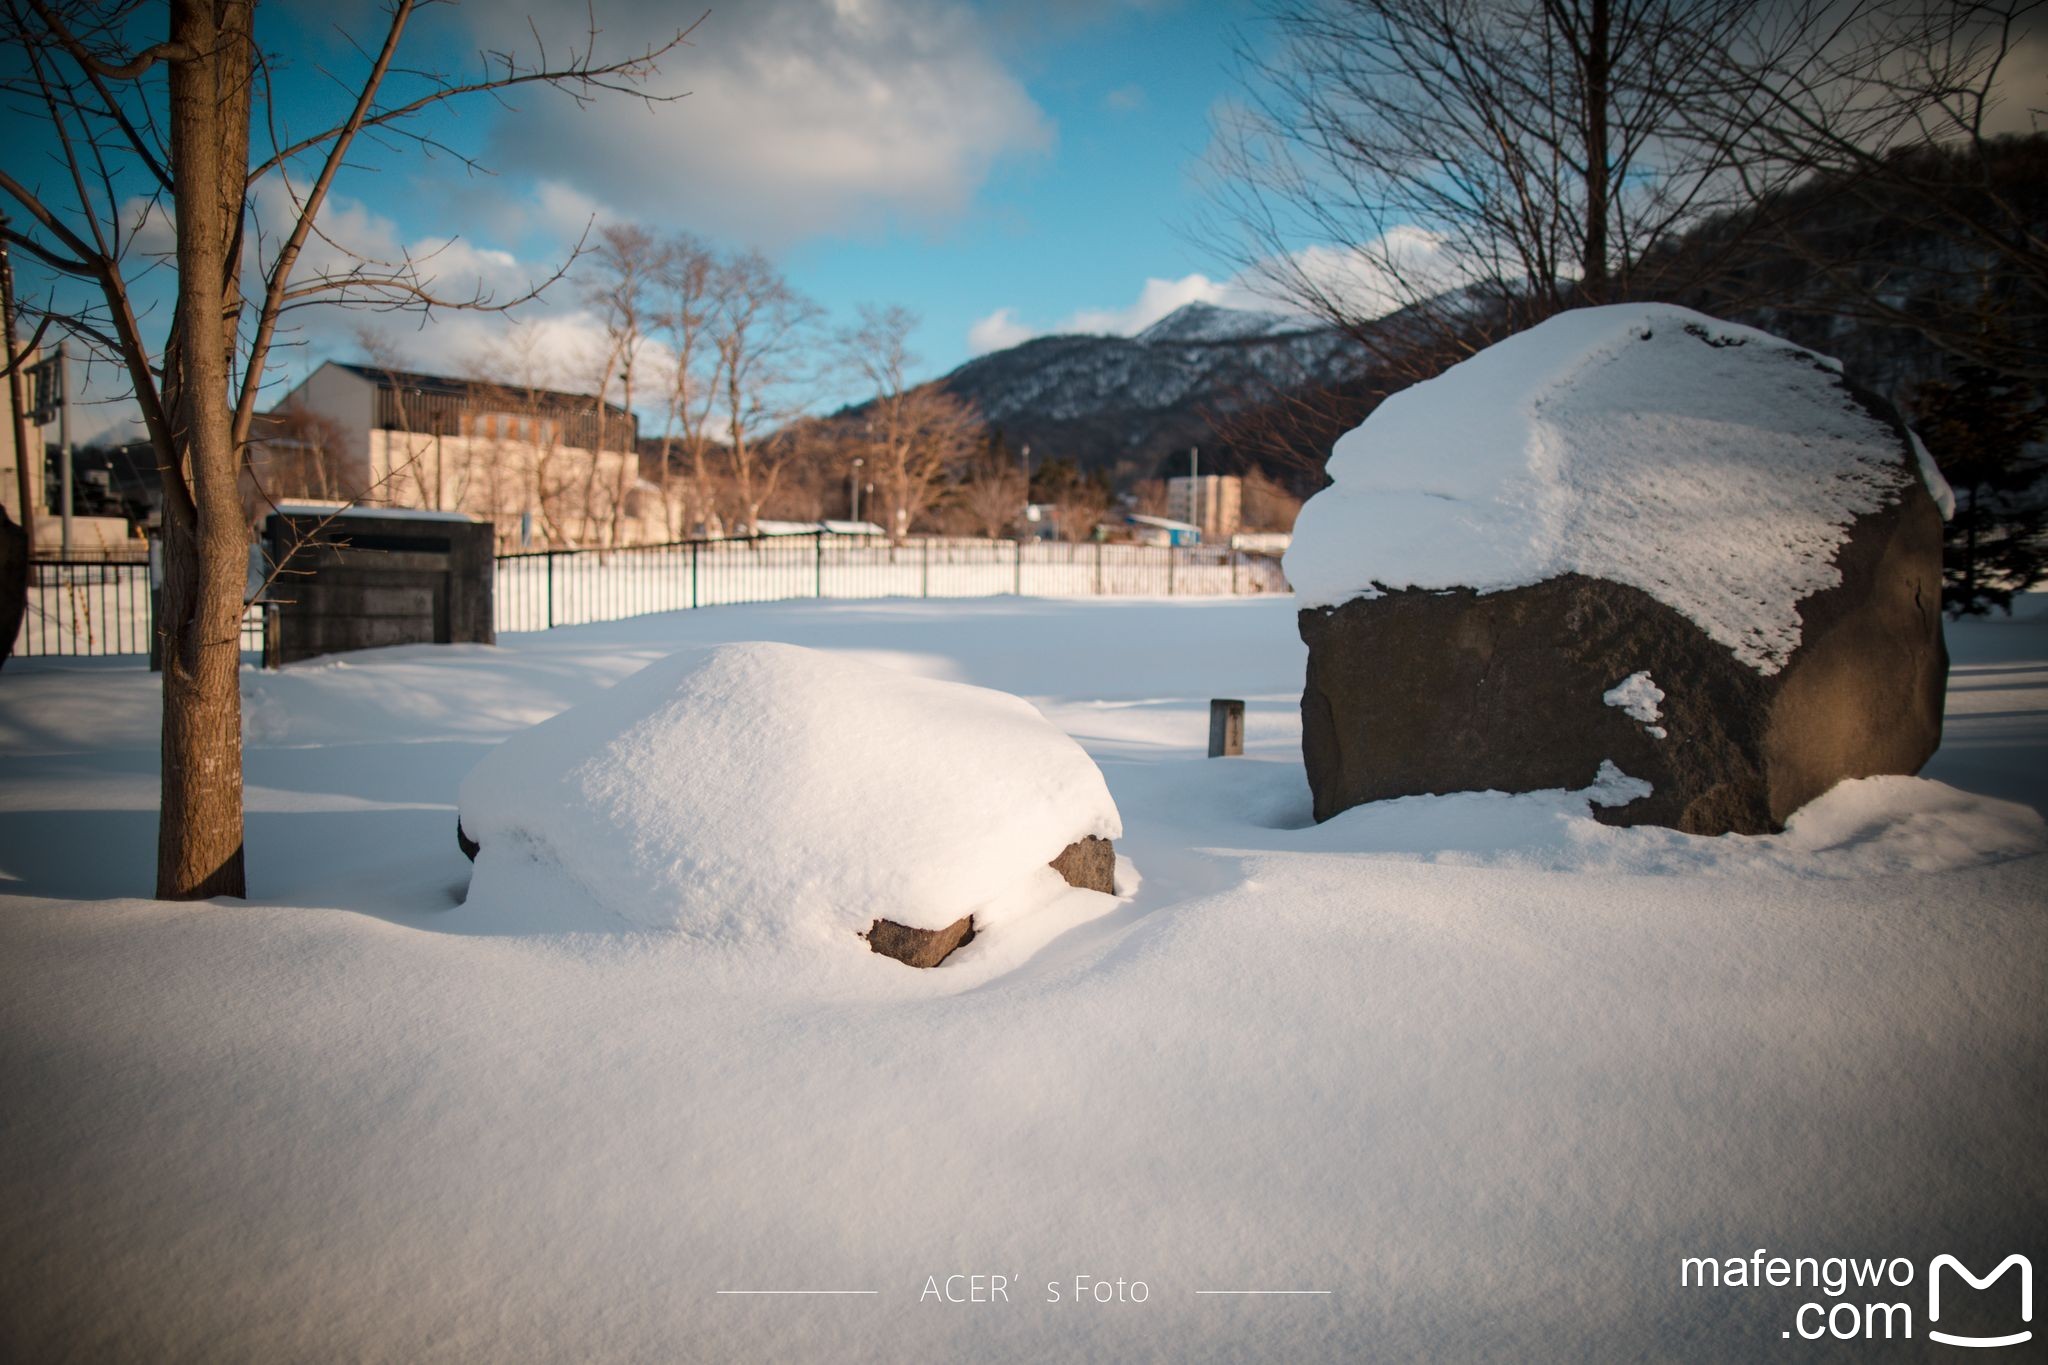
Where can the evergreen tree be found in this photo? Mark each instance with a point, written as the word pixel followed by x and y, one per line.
pixel 1978 426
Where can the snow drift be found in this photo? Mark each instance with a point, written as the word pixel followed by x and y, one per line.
pixel 1713 466
pixel 764 791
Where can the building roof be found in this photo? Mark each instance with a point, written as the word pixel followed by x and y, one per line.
pixel 447 386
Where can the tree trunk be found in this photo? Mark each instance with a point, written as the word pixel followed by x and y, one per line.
pixel 199 832
pixel 1598 69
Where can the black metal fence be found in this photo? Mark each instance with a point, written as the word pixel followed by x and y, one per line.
pixel 547 588
pixel 87 607
pixel 92 607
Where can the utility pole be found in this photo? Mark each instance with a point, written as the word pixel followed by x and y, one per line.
pixel 855 481
pixel 1024 524
pixel 64 441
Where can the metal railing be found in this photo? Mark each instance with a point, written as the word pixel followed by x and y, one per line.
pixel 538 590
pixel 93 607
pixel 89 607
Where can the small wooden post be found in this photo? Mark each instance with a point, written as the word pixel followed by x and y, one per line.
pixel 1226 728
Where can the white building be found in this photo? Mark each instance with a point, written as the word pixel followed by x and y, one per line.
pixel 92 537
pixel 1213 502
pixel 547 468
pixel 10 464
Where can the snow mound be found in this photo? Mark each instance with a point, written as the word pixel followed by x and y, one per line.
pixel 1713 466
pixel 764 792
pixel 1866 827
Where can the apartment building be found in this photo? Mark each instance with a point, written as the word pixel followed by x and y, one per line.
pixel 1214 503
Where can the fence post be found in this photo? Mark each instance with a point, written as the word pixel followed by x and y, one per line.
pixel 693 575
pixel 1172 558
pixel 551 589
pixel 1098 568
pixel 818 539
pixel 1226 727
pixel 924 572
pixel 1018 591
pixel 1236 558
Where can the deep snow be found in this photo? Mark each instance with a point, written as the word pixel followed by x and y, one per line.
pixel 1481 1067
pixel 1711 465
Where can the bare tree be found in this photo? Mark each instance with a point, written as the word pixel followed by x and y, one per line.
pixel 298 453
pixel 687 283
pixel 1892 123
pixel 760 330
pixel 1267 505
pixel 628 265
pixel 993 492
pixel 1471 166
pixel 917 435
pixel 184 143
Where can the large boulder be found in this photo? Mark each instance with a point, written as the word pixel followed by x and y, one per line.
pixel 762 793
pixel 1632 534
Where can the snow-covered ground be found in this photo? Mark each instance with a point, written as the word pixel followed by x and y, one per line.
pixel 1480 1068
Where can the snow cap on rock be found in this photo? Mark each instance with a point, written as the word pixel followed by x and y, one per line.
pixel 764 790
pixel 1713 466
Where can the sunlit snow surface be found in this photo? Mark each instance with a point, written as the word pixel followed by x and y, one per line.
pixel 766 792
pixel 1480 1066
pixel 1711 465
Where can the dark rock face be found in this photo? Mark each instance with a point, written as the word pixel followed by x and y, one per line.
pixel 1421 692
pixel 1088 863
pixel 919 947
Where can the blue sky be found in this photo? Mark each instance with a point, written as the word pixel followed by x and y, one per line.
pixel 1001 168
pixel 1080 226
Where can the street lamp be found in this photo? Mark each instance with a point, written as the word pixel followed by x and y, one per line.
pixel 853 480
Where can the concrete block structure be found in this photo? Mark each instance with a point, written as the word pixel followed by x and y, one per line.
pixel 363 578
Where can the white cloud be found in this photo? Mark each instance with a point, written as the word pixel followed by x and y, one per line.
pixel 1394 270
pixel 801 118
pixel 998 331
pixel 1156 300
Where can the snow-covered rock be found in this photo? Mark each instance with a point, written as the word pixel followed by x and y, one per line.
pixel 1512 551
pixel 1715 467
pixel 764 792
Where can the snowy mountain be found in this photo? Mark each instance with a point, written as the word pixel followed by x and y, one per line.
pixel 1208 322
pixel 1131 404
